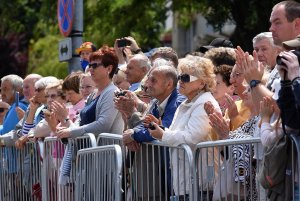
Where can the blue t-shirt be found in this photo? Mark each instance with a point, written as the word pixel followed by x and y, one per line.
pixel 11 119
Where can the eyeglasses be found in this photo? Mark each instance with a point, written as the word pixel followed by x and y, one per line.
pixel 187 78
pixel 236 75
pixel 39 89
pixel 52 96
pixel 95 65
pixel 144 88
pixel 2 109
pixel 86 87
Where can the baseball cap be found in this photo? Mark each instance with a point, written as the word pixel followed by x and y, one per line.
pixel 292 44
pixel 88 46
pixel 217 42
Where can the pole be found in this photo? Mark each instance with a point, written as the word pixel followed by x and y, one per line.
pixel 76 35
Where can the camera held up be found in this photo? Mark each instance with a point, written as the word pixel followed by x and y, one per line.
pixel 279 58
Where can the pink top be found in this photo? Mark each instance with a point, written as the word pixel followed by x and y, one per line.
pixel 74 110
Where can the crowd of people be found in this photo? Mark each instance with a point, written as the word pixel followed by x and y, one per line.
pixel 220 92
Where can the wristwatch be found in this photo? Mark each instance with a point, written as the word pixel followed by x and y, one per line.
pixel 137 51
pixel 254 83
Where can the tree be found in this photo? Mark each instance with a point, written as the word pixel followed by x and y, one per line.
pixel 20 21
pixel 107 20
pixel 250 17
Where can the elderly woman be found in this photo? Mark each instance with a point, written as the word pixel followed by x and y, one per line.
pixel 37 103
pixel 100 115
pixel 191 123
pixel 53 94
pixel 242 153
pixel 87 85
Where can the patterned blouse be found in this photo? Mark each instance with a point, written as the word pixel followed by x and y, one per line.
pixel 243 157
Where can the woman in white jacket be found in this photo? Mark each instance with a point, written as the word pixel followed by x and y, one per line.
pixel 191 123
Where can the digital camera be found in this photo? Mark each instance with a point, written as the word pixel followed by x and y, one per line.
pixel 279 58
pixel 120 93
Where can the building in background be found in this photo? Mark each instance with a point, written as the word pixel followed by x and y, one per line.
pixel 185 40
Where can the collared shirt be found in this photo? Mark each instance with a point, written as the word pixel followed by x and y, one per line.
pixel 134 86
pixel 162 106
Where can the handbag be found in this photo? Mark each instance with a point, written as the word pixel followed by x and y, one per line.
pixel 226 188
pixel 273 169
pixel 275 174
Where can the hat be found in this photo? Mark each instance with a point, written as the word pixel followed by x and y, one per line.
pixel 218 42
pixel 292 44
pixel 88 46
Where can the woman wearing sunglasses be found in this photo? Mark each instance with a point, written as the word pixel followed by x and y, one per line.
pixel 100 115
pixel 190 124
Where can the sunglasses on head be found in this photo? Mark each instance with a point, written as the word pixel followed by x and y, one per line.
pixel 2 109
pixel 95 65
pixel 187 78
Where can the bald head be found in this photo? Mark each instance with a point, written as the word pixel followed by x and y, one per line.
pixel 28 85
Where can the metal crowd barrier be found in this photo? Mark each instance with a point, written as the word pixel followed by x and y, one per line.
pixel 147 173
pixel 296 165
pixel 58 179
pixel 155 172
pixel 20 173
pixel 226 169
pixel 99 173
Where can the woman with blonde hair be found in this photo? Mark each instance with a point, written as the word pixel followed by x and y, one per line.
pixel 191 123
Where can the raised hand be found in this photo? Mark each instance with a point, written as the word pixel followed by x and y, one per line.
pixel 20 112
pixel 157 133
pixel 231 109
pixel 249 65
pixel 291 65
pixel 126 104
pixel 209 108
pixel 219 124
pixel 150 118
pixel 266 109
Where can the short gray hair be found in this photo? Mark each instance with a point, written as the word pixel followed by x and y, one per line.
pixel 162 62
pixel 45 81
pixel 169 72
pixel 264 35
pixel 15 80
pixel 142 60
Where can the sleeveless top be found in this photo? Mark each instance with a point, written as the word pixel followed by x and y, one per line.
pixel 88 113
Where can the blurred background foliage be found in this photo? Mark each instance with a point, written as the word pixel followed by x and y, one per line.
pixel 29 31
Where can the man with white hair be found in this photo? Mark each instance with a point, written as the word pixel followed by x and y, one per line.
pixel 28 91
pixel 161 84
pixel 267 51
pixel 10 85
pixel 137 67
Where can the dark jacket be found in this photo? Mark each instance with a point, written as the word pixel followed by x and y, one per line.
pixel 141 134
pixel 289 103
